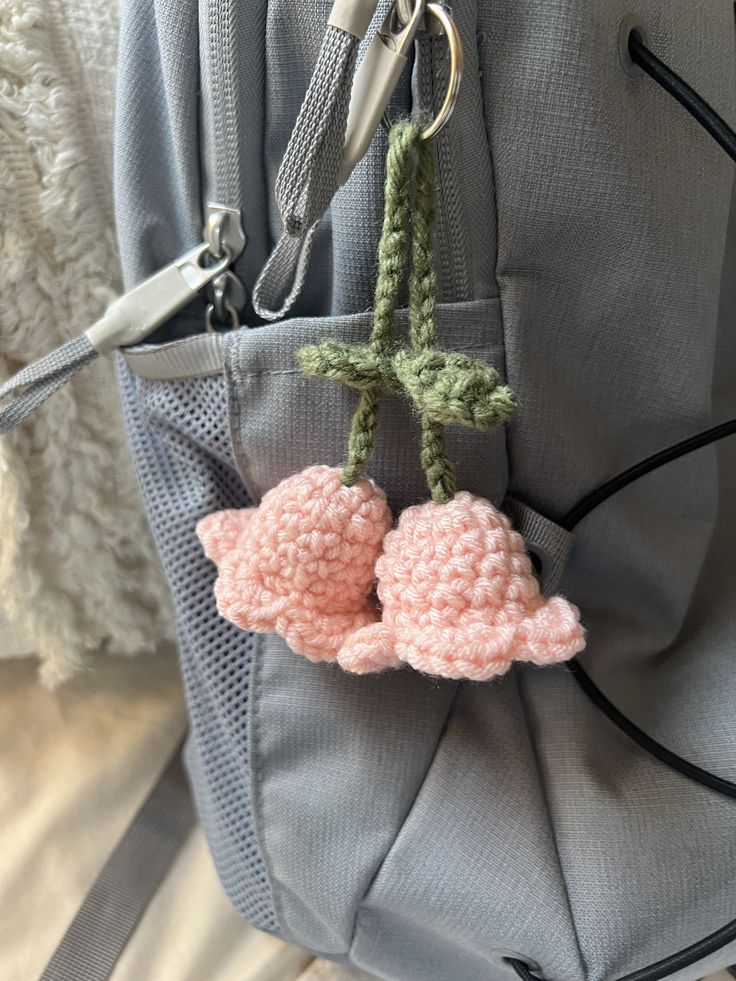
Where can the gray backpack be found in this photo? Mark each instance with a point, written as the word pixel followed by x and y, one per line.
pixel 558 824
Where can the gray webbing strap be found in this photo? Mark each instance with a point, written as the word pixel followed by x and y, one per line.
pixel 39 380
pixel 308 176
pixel 545 540
pixel 112 908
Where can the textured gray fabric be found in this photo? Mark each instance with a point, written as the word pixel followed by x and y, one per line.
pixel 648 856
pixel 604 304
pixel 474 867
pixel 693 712
pixel 36 382
pixel 639 862
pixel 582 224
pixel 466 231
pixel 119 896
pixel 158 210
pixel 349 753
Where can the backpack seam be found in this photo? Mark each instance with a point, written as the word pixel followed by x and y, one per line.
pixel 359 911
pixel 256 784
pixel 501 292
pixel 542 783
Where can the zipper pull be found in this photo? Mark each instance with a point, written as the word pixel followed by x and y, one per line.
pixel 375 81
pixel 226 293
pixel 129 319
pixel 134 316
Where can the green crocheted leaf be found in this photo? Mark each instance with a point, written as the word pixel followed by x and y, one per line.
pixel 351 364
pixel 454 388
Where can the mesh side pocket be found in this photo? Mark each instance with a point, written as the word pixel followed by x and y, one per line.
pixel 179 436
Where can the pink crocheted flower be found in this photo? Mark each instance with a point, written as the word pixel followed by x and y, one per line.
pixel 459 598
pixel 302 564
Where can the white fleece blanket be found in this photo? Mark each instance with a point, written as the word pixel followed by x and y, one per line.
pixel 78 573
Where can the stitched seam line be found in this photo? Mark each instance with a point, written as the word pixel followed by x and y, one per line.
pixel 545 797
pixel 295 371
pixel 256 783
pixel 500 293
pixel 407 815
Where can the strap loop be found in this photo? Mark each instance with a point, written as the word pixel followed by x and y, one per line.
pixel 39 380
pixel 308 176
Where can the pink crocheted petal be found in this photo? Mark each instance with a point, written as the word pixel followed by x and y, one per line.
pixel 314 537
pixel 245 602
pixel 551 634
pixel 369 650
pixel 221 531
pixel 319 636
pixel 475 652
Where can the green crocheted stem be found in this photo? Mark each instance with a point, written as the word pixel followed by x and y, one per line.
pixel 423 278
pixel 437 466
pixel 362 435
pixel 393 252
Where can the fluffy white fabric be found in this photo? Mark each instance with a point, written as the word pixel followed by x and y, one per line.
pixel 78 572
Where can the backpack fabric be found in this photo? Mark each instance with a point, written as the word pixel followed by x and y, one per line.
pixel 423 829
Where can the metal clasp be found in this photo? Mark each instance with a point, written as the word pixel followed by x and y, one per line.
pixel 379 74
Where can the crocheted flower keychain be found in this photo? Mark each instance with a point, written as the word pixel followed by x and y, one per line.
pixel 456 588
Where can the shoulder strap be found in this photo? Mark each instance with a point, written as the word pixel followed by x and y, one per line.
pixel 97 935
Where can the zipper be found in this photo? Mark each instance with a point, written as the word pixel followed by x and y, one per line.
pixel 226 293
pixel 134 316
pixel 453 243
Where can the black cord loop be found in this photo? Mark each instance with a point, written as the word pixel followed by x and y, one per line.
pixel 722 133
pixel 660 969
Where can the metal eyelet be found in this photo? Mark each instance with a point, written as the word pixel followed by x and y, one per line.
pixel 631 24
pixel 500 958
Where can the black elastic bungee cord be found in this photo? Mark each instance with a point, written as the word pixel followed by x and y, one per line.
pixel 593 500
pixel 686 96
pixel 664 755
pixel 660 969
pixel 722 133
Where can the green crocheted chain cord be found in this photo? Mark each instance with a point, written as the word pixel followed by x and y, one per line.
pixel 369 368
pixel 437 466
pixel 445 387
